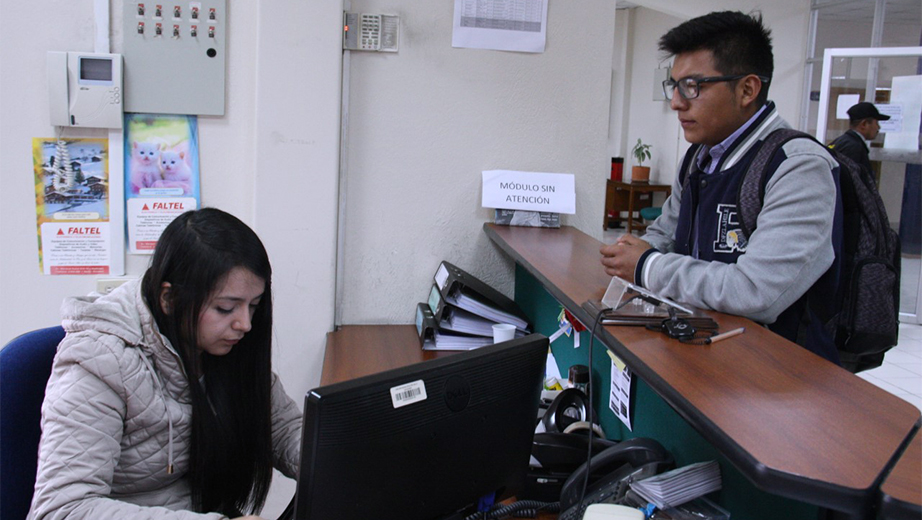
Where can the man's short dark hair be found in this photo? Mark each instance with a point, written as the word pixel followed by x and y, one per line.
pixel 740 43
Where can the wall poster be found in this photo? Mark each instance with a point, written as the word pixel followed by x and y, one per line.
pixel 72 205
pixel 161 175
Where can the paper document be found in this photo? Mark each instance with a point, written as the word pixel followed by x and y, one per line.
pixel 443 341
pixel 680 485
pixel 907 93
pixel 619 395
pixel 460 320
pixel 485 310
pixel 503 25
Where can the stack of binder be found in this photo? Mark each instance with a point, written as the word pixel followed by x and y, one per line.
pixel 461 311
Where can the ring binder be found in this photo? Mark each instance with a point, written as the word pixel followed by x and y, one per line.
pixel 461 289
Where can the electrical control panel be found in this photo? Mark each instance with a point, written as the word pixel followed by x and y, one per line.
pixel 175 55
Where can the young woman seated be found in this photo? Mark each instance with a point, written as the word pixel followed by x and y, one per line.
pixel 162 403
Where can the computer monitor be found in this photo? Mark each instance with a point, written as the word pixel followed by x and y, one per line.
pixel 424 441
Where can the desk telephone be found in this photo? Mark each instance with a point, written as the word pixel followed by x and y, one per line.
pixel 619 465
pixel 562 467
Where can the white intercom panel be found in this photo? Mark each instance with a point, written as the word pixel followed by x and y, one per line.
pixel 175 56
pixel 85 89
pixel 370 32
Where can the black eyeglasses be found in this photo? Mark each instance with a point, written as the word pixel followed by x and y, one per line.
pixel 689 87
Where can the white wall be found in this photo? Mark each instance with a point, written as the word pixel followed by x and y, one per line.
pixel 296 118
pixel 653 122
pixel 425 123
pixel 620 74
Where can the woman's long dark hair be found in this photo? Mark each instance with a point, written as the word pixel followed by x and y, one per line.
pixel 231 456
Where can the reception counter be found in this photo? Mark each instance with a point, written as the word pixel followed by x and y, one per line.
pixel 901 491
pixel 794 433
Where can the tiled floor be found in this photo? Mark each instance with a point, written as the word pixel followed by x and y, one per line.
pixel 901 373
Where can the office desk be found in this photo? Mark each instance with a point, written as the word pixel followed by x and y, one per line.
pixel 360 350
pixel 793 424
pixel 629 197
pixel 901 492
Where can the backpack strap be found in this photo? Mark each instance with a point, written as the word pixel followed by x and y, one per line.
pixel 752 189
pixel 688 165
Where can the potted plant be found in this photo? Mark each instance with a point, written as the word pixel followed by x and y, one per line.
pixel 639 172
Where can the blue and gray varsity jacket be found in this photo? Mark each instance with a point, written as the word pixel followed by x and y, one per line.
pixel 765 277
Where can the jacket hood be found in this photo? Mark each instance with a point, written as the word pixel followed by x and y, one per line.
pixel 121 313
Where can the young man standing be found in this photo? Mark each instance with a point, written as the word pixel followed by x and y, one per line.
pixel 863 125
pixel 696 252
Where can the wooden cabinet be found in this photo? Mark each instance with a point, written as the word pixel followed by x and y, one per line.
pixel 631 198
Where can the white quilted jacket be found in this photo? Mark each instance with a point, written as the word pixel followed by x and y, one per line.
pixel 118 412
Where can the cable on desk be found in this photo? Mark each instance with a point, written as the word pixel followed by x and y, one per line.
pixel 519 509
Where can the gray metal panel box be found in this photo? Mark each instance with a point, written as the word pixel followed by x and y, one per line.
pixel 174 56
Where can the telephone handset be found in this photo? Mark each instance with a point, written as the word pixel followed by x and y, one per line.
pixel 629 460
pixel 568 408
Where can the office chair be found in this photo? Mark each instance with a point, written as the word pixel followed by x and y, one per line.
pixel 25 365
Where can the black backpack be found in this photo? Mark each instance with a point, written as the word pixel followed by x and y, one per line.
pixel 866 322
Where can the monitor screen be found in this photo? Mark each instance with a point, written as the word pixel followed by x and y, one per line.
pixel 424 441
pixel 96 69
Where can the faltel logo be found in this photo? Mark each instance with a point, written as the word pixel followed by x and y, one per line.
pixel 79 231
pixel 174 206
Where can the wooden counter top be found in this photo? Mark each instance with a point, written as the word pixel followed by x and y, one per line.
pixel 901 492
pixel 794 424
pixel 360 350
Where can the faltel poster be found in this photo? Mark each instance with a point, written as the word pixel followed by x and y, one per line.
pixel 72 205
pixel 161 175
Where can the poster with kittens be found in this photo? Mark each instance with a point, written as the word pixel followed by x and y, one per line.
pixel 161 174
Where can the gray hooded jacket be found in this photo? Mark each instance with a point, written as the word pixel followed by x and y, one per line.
pixel 118 413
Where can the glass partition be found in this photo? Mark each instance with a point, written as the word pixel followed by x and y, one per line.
pixel 890 78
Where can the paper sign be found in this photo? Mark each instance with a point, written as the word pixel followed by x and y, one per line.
pixel 907 94
pixel 532 191
pixel 75 248
pixel 844 102
pixel 148 217
pixel 619 395
pixel 895 123
pixel 502 25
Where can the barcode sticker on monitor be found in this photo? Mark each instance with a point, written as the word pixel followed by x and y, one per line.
pixel 408 394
